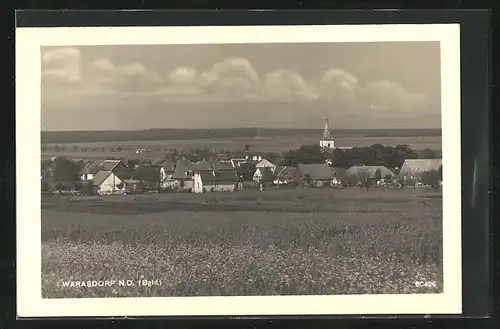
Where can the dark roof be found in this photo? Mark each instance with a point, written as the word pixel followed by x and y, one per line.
pixel 224 166
pixel 91 167
pixel 100 177
pixel 338 172
pixel 218 177
pixel 320 171
pixel 202 165
pixel 286 172
pixel 180 169
pixel 169 166
pixel 109 165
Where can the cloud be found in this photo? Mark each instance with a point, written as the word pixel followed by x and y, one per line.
pixel 337 84
pixel 136 78
pixel 102 71
pixel 102 65
pixel 232 79
pixel 287 85
pixel 182 75
pixel 229 76
pixel 135 70
pixel 390 95
pixel 61 65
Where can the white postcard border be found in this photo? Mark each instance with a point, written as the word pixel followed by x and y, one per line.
pixel 28 80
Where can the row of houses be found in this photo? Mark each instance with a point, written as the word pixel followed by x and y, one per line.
pixel 113 177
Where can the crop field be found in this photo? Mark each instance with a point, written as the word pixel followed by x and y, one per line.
pixel 271 144
pixel 275 242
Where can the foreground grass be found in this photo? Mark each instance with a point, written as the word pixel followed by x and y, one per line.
pixel 200 253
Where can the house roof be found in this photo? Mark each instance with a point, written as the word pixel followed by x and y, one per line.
pixel 169 166
pixel 109 165
pixel 100 177
pixel 264 163
pixel 218 177
pixel 421 165
pixel 237 162
pixel 338 172
pixel 286 172
pixel 180 169
pixel 370 171
pixel 320 171
pixel 227 165
pixel 202 166
pixel 91 167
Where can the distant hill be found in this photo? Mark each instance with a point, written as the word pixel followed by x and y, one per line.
pixel 193 134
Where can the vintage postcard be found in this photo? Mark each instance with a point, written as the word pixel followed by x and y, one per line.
pixel 243 170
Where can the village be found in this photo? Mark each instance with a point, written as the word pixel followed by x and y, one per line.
pixel 115 176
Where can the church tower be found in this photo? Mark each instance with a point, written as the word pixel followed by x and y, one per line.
pixel 326 140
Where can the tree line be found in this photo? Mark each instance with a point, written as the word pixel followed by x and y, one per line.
pixel 375 155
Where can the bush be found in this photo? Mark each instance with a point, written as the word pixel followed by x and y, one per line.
pixel 431 178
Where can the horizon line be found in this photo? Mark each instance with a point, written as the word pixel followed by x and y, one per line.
pixel 235 128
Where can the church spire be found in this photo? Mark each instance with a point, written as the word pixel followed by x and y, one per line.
pixel 326 130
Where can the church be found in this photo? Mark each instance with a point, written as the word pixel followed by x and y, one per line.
pixel 326 140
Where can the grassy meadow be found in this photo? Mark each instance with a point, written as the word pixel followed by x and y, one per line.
pixel 275 242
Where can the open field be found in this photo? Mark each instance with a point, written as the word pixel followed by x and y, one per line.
pixel 283 241
pixel 269 144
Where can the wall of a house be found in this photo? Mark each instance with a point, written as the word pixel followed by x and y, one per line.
pixel 110 185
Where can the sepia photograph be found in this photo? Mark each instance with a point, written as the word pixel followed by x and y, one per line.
pixel 204 165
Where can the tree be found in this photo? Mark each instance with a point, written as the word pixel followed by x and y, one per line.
pixel 150 174
pixel 45 186
pixel 307 179
pixel 427 154
pixel 431 178
pixel 133 162
pixel 66 171
pixel 246 170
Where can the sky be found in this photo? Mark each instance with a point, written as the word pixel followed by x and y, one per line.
pixel 377 85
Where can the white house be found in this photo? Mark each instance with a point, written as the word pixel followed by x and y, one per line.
pixel 107 182
pixel 167 171
pixel 214 181
pixel 90 170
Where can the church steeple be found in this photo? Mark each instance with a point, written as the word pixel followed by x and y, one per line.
pixel 326 130
pixel 326 138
